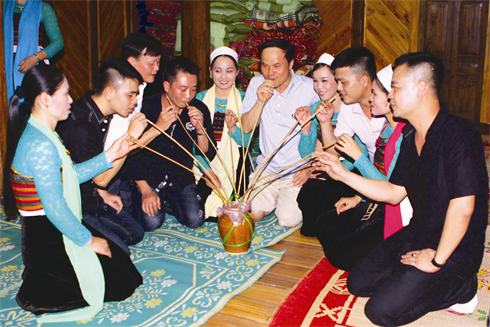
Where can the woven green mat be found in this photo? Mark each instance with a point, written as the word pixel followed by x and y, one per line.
pixel 187 278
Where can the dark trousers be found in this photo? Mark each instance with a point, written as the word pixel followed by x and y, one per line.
pixel 121 228
pixel 400 294
pixel 120 185
pixel 49 281
pixel 348 237
pixel 185 205
pixel 317 197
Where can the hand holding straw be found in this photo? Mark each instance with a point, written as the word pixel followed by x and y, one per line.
pixel 321 106
pixel 216 149
pixel 196 145
pixel 135 141
pixel 175 141
pixel 276 173
pixel 251 136
pixel 269 157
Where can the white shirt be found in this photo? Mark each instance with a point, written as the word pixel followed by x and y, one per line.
pixel 119 125
pixel 352 120
pixel 277 120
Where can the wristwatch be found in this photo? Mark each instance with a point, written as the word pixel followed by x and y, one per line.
pixel 435 263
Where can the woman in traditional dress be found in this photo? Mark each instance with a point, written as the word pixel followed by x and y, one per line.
pixel 26 23
pixel 325 85
pixel 68 265
pixel 224 101
pixel 350 231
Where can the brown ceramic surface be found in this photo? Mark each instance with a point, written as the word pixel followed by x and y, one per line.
pixel 239 235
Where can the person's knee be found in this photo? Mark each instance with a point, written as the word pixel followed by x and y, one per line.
pixel 195 220
pixel 356 284
pixel 151 223
pixel 341 260
pixel 380 313
pixel 289 217
pixel 258 215
pixel 191 214
pixel 302 195
pixel 128 228
pixel 195 223
pixel 137 235
pixel 305 193
pixel 289 222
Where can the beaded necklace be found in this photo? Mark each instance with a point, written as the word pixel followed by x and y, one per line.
pixel 19 6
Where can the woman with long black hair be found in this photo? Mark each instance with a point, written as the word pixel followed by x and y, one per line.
pixel 68 265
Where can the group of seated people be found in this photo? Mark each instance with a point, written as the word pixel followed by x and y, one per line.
pixel 352 154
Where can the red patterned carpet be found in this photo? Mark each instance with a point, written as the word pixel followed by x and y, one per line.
pixel 321 298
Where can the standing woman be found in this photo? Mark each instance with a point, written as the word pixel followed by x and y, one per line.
pixel 224 101
pixel 67 265
pixel 23 37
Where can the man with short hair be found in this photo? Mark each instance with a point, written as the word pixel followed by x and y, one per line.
pixel 432 263
pixel 355 70
pixel 165 187
pixel 280 92
pixel 143 52
pixel 83 134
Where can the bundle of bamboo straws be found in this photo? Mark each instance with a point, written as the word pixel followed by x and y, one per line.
pixel 220 191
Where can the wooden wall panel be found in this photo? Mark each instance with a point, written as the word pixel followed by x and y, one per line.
pixel 468 54
pixel 74 23
pixel 92 31
pixel 457 32
pixel 196 43
pixel 335 34
pixel 485 110
pixel 388 29
pixel 438 14
pixel 112 26
pixel 469 38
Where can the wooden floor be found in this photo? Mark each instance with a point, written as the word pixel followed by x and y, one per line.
pixel 255 306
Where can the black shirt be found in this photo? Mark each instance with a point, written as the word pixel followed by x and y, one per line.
pixel 451 165
pixel 83 134
pixel 153 168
